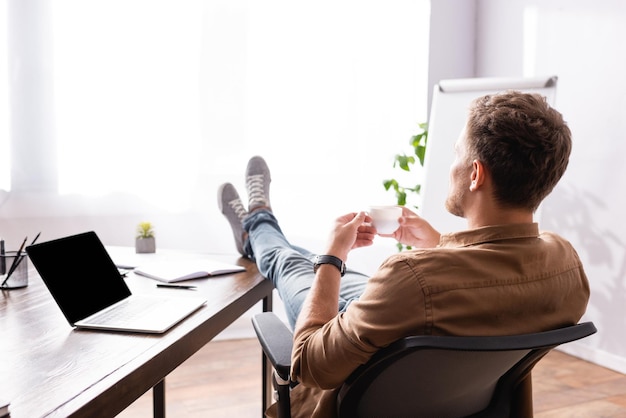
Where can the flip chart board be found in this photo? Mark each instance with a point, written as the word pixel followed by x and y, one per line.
pixel 451 99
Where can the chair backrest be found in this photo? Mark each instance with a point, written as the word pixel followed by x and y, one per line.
pixel 448 377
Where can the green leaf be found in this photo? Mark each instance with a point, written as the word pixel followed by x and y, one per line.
pixel 400 197
pixel 404 161
pixel 421 153
pixel 416 140
pixel 390 183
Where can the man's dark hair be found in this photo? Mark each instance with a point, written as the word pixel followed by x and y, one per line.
pixel 523 142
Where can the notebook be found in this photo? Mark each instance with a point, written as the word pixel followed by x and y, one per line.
pixel 170 271
pixel 91 293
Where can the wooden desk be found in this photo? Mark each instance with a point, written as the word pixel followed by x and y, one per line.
pixel 48 369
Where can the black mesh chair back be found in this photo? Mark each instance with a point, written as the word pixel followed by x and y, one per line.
pixel 428 376
pixel 449 377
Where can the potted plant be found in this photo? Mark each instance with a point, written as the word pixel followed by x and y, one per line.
pixel 144 241
pixel 405 162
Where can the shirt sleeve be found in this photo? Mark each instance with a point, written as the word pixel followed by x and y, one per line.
pixel 393 305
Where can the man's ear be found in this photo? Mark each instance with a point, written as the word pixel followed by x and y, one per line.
pixel 477 176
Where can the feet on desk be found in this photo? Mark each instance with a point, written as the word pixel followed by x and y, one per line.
pixel 258 187
pixel 230 205
pixel 258 184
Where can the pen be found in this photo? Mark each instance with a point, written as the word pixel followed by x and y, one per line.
pixel 176 286
pixel 16 262
pixel 35 240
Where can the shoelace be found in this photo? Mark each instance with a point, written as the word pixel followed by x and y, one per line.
pixel 237 206
pixel 256 194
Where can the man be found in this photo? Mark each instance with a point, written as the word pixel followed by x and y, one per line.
pixel 501 276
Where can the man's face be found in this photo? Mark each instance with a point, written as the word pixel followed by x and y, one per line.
pixel 460 173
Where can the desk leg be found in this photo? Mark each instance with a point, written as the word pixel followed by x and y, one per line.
pixel 266 366
pixel 158 399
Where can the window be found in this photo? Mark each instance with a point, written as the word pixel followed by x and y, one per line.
pixel 167 99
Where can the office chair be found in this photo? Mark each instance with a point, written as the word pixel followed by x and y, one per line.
pixel 425 376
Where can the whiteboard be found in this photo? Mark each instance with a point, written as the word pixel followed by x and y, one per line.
pixel 451 100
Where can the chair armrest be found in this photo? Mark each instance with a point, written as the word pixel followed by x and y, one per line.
pixel 276 341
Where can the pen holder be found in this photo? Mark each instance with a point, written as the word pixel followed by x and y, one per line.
pixel 19 277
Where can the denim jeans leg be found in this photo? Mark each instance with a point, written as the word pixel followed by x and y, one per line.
pixel 290 268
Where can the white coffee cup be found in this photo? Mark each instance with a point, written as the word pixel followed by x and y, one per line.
pixel 385 218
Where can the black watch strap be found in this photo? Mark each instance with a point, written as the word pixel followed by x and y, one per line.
pixel 329 259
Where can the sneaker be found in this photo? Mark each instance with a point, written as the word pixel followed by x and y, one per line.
pixel 258 184
pixel 230 205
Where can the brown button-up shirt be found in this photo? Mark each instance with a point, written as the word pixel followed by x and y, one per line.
pixel 495 280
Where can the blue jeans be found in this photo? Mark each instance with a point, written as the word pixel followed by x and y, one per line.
pixel 290 268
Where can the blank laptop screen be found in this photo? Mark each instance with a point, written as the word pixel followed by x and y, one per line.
pixel 79 273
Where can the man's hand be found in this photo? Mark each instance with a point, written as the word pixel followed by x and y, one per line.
pixel 352 230
pixel 415 231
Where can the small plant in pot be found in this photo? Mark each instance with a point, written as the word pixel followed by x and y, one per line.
pixel 144 241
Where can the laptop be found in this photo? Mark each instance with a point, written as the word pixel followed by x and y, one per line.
pixel 91 292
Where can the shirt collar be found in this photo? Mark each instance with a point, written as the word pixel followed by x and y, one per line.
pixel 489 234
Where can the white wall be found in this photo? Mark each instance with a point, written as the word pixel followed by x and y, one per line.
pixel 452 41
pixel 583 43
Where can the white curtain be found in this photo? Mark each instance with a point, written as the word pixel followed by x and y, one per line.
pixel 166 99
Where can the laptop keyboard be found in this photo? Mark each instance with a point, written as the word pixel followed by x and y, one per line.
pixel 133 310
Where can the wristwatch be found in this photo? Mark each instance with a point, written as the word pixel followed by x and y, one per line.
pixel 329 259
